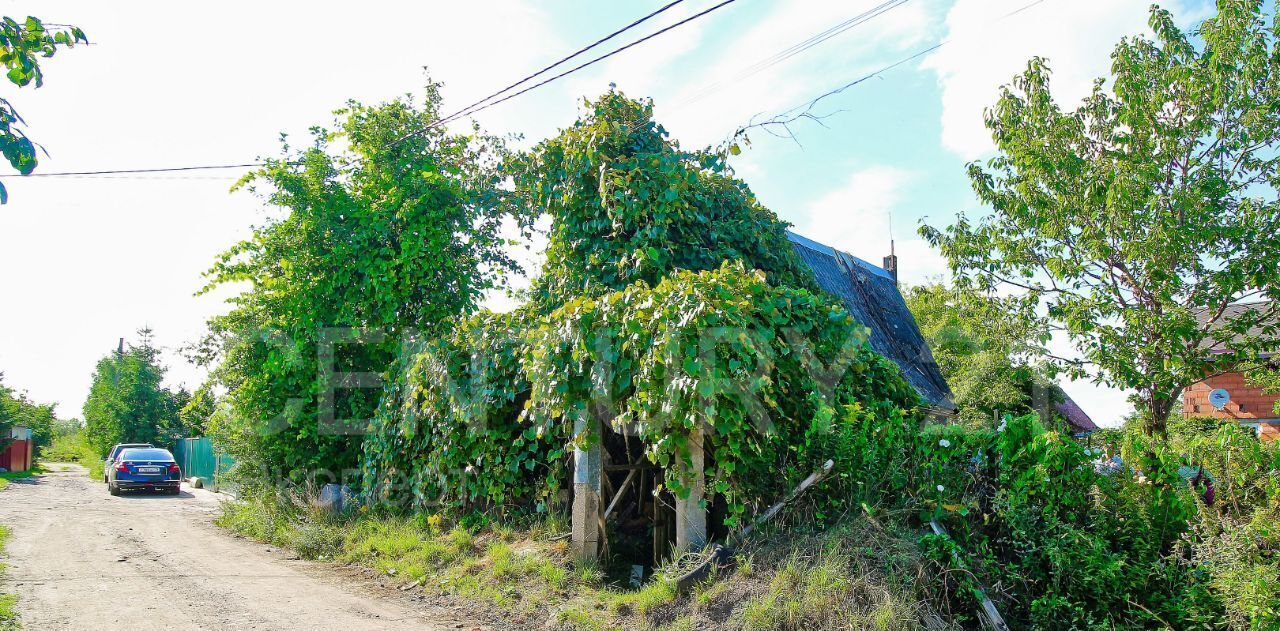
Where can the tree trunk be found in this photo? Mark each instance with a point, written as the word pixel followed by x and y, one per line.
pixel 1159 405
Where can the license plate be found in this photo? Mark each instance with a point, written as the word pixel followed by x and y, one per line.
pixel 148 469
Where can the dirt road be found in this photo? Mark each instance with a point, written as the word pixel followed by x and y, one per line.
pixel 81 559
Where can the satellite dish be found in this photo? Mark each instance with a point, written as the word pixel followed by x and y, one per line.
pixel 1219 398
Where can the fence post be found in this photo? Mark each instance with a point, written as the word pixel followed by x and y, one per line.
pixel 691 515
pixel 587 471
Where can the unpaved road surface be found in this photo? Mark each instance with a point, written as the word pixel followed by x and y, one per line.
pixel 81 559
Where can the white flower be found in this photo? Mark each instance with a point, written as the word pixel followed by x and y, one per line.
pixel 941 488
pixel 944 443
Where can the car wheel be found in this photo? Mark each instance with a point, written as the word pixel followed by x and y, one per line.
pixel 177 490
pixel 111 488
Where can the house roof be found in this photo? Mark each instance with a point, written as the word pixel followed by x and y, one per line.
pixel 1076 417
pixel 871 296
pixel 1266 323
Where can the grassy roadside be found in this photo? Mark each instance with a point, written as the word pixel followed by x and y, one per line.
pixel 19 475
pixel 8 602
pixel 855 576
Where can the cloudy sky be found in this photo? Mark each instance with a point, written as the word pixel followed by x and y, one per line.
pixel 85 261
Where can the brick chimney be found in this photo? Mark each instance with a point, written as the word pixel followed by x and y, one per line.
pixel 891 263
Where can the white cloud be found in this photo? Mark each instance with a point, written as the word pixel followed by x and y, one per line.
pixel 722 96
pixel 857 218
pixel 985 52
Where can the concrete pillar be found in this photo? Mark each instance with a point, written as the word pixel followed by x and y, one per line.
pixel 587 472
pixel 691 516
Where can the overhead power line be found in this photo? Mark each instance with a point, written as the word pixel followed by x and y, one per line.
pixel 208 167
pixel 805 110
pixel 474 107
pixel 796 49
pixel 468 109
pixel 577 68
pixel 783 118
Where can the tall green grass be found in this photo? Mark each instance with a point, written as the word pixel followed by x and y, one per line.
pixel 859 576
pixel 8 602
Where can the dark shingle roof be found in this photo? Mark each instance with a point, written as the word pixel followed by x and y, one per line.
pixel 872 298
pixel 1076 417
pixel 1262 315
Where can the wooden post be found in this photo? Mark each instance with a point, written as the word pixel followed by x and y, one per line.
pixel 586 492
pixel 691 515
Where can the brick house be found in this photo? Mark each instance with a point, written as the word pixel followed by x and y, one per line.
pixel 1246 403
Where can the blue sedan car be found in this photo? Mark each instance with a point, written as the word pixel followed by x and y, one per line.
pixel 148 469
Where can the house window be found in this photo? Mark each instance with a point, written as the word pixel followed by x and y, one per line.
pixel 1241 406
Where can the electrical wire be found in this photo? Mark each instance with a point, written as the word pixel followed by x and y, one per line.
pixel 468 109
pixel 251 165
pixel 799 110
pixel 803 109
pixel 578 67
pixel 795 49
pixel 474 107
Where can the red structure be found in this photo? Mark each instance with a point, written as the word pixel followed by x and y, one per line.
pixel 1246 403
pixel 18 454
pixel 1229 395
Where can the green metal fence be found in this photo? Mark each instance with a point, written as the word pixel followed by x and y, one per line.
pixel 199 459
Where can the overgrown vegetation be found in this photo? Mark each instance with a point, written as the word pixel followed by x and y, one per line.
pixel 1056 539
pixel 517 572
pixel 74 447
pixel 722 350
pixel 9 620
pixel 673 310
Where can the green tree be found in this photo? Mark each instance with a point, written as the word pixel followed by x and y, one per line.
pixel 1137 218
pixel 127 402
pixel 390 228
pixel 22 45
pixel 988 348
pixel 628 204
pixel 16 409
pixel 194 415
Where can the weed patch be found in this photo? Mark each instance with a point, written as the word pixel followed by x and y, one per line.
pixel 8 602
pixel 516 571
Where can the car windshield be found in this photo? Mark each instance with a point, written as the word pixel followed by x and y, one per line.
pixel 115 451
pixel 146 454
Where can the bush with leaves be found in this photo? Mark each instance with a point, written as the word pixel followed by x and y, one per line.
pixel 450 429
pixel 389 230
pixel 1060 543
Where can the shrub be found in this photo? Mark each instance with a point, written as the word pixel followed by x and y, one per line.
pixel 761 368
